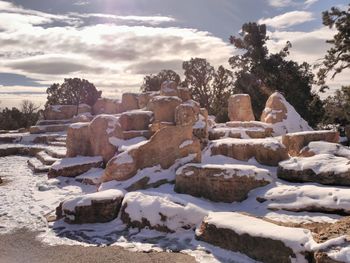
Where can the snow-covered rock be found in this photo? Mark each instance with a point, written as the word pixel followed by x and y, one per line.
pixel 78 140
pixel 260 240
pixel 310 198
pixel 321 147
pixel 93 176
pixel 97 207
pixel 320 168
pixel 240 108
pixel 130 101
pixel 71 167
pixel 107 106
pixel 162 212
pixel 163 148
pixel 298 140
pixel 164 107
pixel 268 151
pixel 220 183
pixel 283 117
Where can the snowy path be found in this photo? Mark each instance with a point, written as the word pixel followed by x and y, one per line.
pixel 26 198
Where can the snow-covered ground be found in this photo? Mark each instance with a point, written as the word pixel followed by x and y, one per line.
pixel 27 199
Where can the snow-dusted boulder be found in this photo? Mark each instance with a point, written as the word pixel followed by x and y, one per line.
pixel 99 207
pixel 91 177
pixel 164 148
pixel 321 147
pixel 168 88
pixel 298 140
pixel 283 117
pixel 135 120
pixel 107 106
pixel 240 108
pixel 83 117
pixel 145 97
pixel 320 168
pixel 78 140
pixel 130 101
pixel 62 112
pixel 186 114
pixel 201 127
pixel 71 167
pixel 268 151
pixel 162 212
pixel 223 131
pixel 164 107
pixel 184 93
pixel 220 183
pixel 310 198
pixel 256 238
pixel 48 128
pixel 102 129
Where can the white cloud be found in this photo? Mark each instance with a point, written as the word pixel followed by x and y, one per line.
pixel 309 3
pixel 288 19
pixel 280 3
pixel 309 47
pixel 288 3
pixel 114 56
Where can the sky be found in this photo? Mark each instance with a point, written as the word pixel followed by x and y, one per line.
pixel 115 43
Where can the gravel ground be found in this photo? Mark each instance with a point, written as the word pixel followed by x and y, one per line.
pixel 22 247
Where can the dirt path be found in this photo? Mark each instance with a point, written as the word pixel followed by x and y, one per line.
pixel 21 247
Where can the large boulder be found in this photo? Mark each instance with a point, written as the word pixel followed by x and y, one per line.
pixel 130 101
pixel 240 108
pixel 145 97
pixel 164 108
pixel 297 141
pixel 260 240
pixel 102 129
pixel 164 148
pixel 72 167
pixel 168 88
pixel 186 114
pixel 78 140
pixel 283 117
pixel 135 120
pixel 184 93
pixel 99 207
pixel 61 112
pixel 162 212
pixel 107 106
pixel 268 151
pixel 320 168
pixel 220 183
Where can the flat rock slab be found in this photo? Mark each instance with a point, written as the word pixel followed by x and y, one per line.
pixel 71 167
pixel 56 152
pixel 99 207
pixel 45 158
pixel 298 140
pixel 92 177
pixel 37 166
pixel 322 168
pixel 48 128
pixel 238 132
pixel 268 151
pixel 220 183
pixel 256 238
pixel 161 212
pixel 310 198
pixel 320 147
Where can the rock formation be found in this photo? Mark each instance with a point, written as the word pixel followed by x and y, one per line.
pixel 240 108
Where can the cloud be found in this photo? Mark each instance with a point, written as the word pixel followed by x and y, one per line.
pixel 309 3
pixel 288 19
pixel 288 3
pixel 114 55
pixel 81 3
pixel 280 3
pixel 309 47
